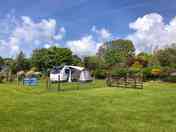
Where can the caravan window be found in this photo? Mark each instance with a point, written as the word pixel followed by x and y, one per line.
pixel 56 70
pixel 67 71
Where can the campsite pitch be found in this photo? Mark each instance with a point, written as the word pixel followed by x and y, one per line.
pixel 94 108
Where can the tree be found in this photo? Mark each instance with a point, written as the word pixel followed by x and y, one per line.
pixel 40 58
pixel 44 58
pixel 167 56
pixel 76 60
pixel 21 62
pixel 143 59
pixel 1 61
pixel 96 65
pixel 117 51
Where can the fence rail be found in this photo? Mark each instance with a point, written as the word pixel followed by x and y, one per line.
pixel 125 82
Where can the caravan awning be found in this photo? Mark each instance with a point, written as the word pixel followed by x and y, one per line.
pixel 77 67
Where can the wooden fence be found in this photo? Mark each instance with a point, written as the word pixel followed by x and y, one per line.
pixel 125 81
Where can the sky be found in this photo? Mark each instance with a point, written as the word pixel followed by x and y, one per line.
pixel 84 25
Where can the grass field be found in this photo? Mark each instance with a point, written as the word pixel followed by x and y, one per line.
pixel 89 107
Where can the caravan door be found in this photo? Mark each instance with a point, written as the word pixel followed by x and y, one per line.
pixel 64 74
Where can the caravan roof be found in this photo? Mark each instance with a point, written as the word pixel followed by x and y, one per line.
pixel 76 67
pixel 56 70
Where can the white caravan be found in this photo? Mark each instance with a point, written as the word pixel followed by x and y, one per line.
pixel 70 74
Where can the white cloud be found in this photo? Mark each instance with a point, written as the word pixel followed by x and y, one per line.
pixel 86 46
pixel 152 33
pixel 25 34
pixel 103 33
pixel 89 44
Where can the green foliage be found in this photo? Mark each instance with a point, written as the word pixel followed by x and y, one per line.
pixel 144 56
pixel 137 65
pixel 147 73
pixel 169 79
pixel 76 60
pixel 165 71
pixel 156 72
pixel 121 72
pixel 1 61
pixel 96 65
pixel 144 59
pixel 118 51
pixel 21 63
pixel 47 58
pixel 91 62
pixel 1 78
pixel 167 56
pixel 100 73
pixel 112 57
pixel 135 72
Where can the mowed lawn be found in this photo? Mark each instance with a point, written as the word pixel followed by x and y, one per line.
pixel 88 108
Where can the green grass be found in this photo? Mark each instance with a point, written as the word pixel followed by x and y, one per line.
pixel 91 108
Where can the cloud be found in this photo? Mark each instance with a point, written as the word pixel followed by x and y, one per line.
pixel 103 33
pixel 88 45
pixel 25 34
pixel 151 33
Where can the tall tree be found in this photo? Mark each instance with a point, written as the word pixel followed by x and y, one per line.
pixel 1 61
pixel 53 56
pixel 76 60
pixel 117 51
pixel 167 56
pixel 95 64
pixel 21 62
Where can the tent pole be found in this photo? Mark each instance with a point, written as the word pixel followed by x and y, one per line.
pixel 69 79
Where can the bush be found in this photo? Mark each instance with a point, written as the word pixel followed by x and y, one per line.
pixel 1 78
pixel 137 65
pixel 169 79
pixel 156 72
pixel 147 73
pixel 100 73
pixel 119 72
pixel 134 71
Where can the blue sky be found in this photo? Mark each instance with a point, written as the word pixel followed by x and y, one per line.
pixel 78 18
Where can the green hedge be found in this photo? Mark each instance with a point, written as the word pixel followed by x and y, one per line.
pixel 100 73
pixel 170 79
pixel 119 72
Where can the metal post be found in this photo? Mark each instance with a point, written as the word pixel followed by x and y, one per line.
pixel 58 84
pixel 47 83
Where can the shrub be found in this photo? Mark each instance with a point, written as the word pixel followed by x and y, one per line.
pixel 136 65
pixel 100 73
pixel 165 72
pixel 170 79
pixel 1 78
pixel 147 73
pixel 119 72
pixel 156 72
pixel 134 71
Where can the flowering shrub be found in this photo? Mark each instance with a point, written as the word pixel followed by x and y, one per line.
pixel 156 71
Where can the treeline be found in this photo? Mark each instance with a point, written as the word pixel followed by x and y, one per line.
pixel 117 57
pixel 41 59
